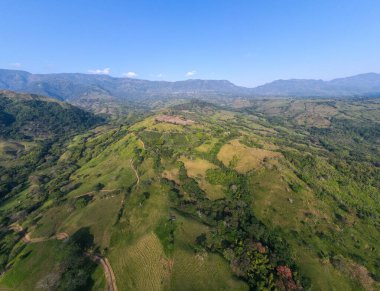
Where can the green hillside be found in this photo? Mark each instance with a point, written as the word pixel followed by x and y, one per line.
pixel 276 195
pixel 33 130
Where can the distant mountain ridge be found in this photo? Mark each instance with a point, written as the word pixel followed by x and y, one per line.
pixel 75 86
pixel 363 84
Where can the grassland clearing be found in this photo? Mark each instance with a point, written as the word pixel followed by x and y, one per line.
pixel 207 145
pixel 242 158
pixel 116 159
pixel 171 174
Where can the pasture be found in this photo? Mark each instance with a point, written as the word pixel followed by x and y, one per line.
pixel 243 158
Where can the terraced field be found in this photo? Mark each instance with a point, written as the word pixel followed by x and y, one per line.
pixel 141 265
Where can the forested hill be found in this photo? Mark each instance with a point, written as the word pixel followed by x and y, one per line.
pixel 32 131
pixel 28 116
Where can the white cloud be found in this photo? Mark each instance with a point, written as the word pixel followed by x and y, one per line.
pixel 105 71
pixel 16 65
pixel 130 75
pixel 160 75
pixel 191 73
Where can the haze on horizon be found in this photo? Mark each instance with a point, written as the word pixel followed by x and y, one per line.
pixel 246 42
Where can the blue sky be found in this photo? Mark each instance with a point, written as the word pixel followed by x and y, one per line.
pixel 246 42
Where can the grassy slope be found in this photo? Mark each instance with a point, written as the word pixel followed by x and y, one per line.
pixel 129 240
pixel 309 222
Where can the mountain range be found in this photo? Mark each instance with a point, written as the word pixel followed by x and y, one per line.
pixel 75 86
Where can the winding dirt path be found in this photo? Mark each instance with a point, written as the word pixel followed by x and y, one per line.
pixel 58 236
pixel 143 144
pixel 107 269
pixel 27 239
pixel 134 169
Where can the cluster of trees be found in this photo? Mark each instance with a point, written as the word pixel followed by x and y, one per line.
pixel 165 232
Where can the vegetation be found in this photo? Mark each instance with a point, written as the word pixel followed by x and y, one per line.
pixel 32 129
pixel 249 198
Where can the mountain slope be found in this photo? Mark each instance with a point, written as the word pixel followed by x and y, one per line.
pixel 89 88
pixel 72 87
pixel 32 130
pixel 29 116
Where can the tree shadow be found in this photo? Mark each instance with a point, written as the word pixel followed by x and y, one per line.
pixel 83 238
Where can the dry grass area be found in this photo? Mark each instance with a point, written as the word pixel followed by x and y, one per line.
pixel 197 169
pixel 224 115
pixel 171 175
pixel 207 146
pixel 240 103
pixel 243 158
pixel 314 114
pixel 353 270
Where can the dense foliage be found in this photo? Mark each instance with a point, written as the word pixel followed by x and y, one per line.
pixel 41 118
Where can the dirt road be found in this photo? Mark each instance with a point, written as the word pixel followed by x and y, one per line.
pixel 108 272
pixel 137 174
